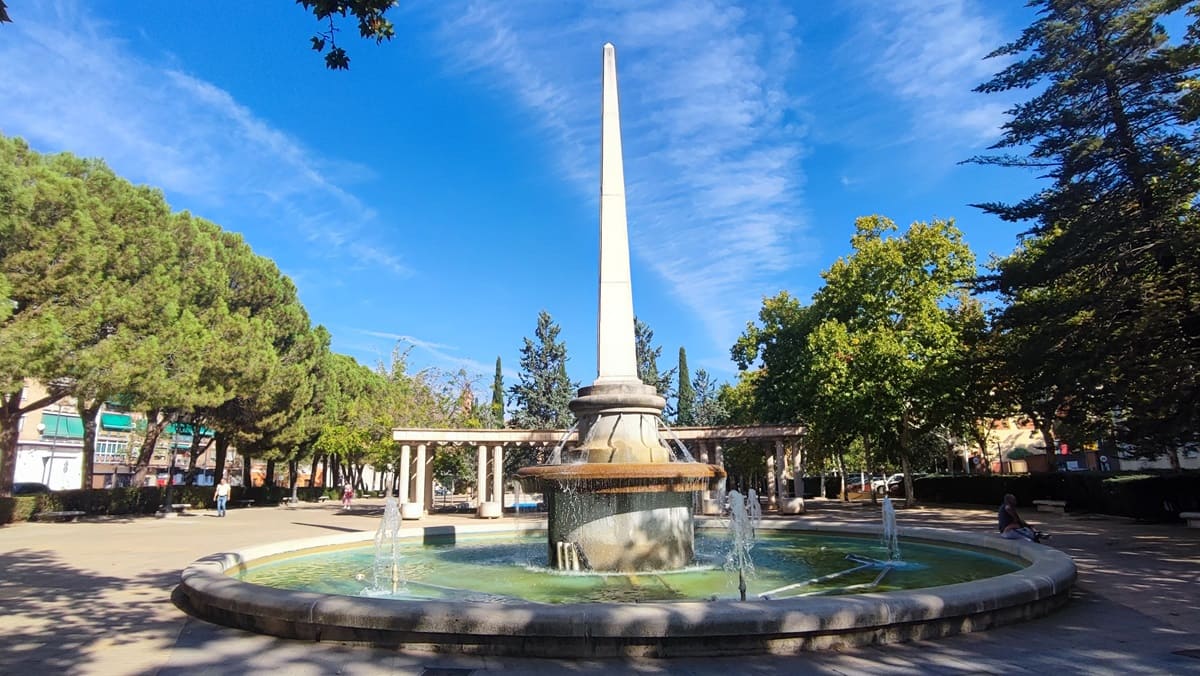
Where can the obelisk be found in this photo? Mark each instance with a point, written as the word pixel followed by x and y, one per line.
pixel 618 414
pixel 616 350
pixel 626 506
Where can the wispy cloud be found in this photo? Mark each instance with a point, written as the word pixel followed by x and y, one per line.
pixel 930 55
pixel 68 84
pixel 712 141
pixel 438 353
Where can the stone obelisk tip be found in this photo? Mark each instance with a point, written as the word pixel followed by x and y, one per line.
pixel 616 358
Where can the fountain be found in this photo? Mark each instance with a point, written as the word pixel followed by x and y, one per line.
pixel 625 504
pixel 621 502
pixel 744 516
pixel 386 565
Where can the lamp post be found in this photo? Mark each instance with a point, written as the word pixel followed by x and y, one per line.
pixel 167 501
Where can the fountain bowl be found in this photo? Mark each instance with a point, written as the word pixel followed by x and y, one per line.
pixel 622 477
pixel 662 630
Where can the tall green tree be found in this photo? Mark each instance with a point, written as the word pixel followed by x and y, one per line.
pixel 543 391
pixel 498 395
pixel 708 409
pixel 1103 295
pixel 685 398
pixel 871 361
pixel 647 359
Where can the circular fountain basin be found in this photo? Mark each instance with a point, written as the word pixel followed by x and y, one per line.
pixel 682 628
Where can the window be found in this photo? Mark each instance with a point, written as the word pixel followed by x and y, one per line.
pixel 111 452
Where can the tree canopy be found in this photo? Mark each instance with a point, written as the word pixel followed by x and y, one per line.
pixel 1102 298
pixel 543 391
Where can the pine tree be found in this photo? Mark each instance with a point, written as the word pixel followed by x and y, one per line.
pixel 1104 293
pixel 709 409
pixel 686 398
pixel 647 359
pixel 544 391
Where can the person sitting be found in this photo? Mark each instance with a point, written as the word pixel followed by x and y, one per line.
pixel 1012 526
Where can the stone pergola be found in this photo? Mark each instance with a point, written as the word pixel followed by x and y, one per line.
pixel 781 444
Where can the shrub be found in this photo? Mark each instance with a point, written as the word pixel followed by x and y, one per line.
pixel 1144 495
pixel 18 508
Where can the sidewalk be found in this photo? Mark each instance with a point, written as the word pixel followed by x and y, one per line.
pixel 94 597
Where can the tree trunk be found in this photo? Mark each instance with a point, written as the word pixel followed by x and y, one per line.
pixel 910 496
pixel 1051 451
pixel 10 423
pixel 1173 458
pixel 10 419
pixel 88 415
pixel 841 462
pixel 154 428
pixel 222 440
pixel 312 473
pixel 247 471
pixel 294 470
pixel 269 479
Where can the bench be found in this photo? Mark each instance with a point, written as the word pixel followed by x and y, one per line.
pixel 173 509
pixel 288 501
pixel 243 503
pixel 1059 506
pixel 323 498
pixel 1193 518
pixel 65 515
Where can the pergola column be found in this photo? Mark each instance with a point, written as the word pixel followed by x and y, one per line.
pixel 780 468
pixel 498 474
pixel 795 504
pixel 798 467
pixel 719 461
pixel 488 507
pixel 402 492
pixel 772 481
pixel 408 509
pixel 481 476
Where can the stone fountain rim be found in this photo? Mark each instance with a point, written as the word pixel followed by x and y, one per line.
pixel 683 628
pixel 630 470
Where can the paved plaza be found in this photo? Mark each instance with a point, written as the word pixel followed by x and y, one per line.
pixel 94 597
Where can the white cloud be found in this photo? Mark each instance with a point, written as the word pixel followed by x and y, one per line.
pixel 930 54
pixel 67 84
pixel 439 353
pixel 712 151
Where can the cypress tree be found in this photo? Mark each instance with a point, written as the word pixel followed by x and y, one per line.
pixel 686 404
pixel 498 396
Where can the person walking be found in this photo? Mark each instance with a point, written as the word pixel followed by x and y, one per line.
pixel 222 496
pixel 347 495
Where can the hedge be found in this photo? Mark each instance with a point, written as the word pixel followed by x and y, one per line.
pixel 1140 495
pixel 141 500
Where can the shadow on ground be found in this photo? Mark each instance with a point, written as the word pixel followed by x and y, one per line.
pixel 53 615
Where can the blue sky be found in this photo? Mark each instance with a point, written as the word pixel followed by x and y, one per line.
pixel 444 190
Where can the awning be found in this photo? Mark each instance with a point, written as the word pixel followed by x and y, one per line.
pixel 62 426
pixel 116 421
pixel 185 429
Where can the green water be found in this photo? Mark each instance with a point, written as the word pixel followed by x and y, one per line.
pixel 507 568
